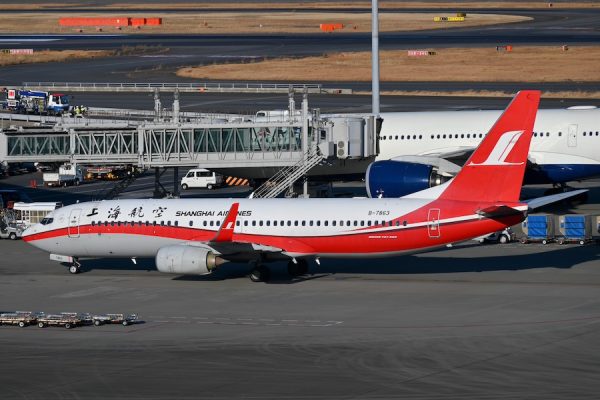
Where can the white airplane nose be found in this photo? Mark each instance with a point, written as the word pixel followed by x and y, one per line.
pixel 31 230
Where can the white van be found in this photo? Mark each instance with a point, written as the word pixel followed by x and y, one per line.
pixel 201 178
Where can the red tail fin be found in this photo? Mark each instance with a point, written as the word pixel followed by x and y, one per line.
pixel 495 170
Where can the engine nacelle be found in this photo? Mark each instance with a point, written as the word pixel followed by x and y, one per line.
pixel 189 260
pixel 389 178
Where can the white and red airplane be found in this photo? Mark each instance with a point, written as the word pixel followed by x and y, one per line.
pixel 195 236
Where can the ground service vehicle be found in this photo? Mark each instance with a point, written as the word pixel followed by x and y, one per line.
pixel 201 178
pixel 37 102
pixel 66 320
pixel 504 236
pixel 20 318
pixel 67 175
pixel 114 319
pixel 10 231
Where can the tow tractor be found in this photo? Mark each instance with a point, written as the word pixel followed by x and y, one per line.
pixel 122 319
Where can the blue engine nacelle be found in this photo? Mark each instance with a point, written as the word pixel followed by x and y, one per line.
pixel 391 178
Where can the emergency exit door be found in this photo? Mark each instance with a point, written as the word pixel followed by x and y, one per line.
pixel 433 223
pixel 73 227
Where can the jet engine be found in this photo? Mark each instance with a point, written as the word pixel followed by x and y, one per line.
pixel 189 260
pixel 392 179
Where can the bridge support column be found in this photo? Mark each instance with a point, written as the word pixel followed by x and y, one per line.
pixel 176 181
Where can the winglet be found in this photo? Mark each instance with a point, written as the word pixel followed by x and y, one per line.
pixel 225 232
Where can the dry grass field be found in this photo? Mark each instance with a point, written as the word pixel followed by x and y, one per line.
pixel 316 5
pixel 45 56
pixel 523 64
pixel 251 22
pixel 52 56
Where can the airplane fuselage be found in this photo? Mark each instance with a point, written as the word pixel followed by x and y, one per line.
pixel 320 227
pixel 565 143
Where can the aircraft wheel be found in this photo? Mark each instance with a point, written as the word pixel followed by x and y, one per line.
pixel 503 239
pixel 260 274
pixel 74 269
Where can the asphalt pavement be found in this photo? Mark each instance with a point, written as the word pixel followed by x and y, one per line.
pixel 471 321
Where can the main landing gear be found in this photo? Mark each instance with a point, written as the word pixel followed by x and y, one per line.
pixel 75 267
pixel 261 273
pixel 298 268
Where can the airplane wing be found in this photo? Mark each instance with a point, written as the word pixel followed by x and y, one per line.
pixel 224 243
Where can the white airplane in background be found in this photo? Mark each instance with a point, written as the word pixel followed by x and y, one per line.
pixel 423 149
pixel 195 236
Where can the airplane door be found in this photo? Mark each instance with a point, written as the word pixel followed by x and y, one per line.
pixel 572 136
pixel 73 228
pixel 433 223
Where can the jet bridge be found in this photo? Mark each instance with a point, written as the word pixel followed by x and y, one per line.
pixel 300 140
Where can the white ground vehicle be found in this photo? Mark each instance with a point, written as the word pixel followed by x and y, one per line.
pixel 68 174
pixel 504 236
pixel 201 178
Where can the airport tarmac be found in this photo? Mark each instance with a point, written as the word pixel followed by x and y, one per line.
pixel 472 321
pixel 468 322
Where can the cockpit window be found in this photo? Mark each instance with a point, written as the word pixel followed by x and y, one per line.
pixel 46 221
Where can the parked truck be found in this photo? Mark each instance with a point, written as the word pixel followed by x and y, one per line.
pixel 67 175
pixel 36 102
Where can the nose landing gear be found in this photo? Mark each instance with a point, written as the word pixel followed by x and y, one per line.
pixel 75 267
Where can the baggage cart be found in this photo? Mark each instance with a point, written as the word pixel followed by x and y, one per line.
pixel 85 318
pixel 575 228
pixel 67 321
pixel 122 319
pixel 538 228
pixel 20 318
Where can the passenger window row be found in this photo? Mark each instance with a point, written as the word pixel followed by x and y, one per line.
pixel 440 136
pixel 268 223
pixel 591 133
pixel 469 136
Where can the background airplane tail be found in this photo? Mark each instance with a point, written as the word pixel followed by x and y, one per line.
pixel 495 170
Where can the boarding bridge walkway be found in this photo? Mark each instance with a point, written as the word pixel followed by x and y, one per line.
pixel 160 145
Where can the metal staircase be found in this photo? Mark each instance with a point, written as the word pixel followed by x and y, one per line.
pixel 286 177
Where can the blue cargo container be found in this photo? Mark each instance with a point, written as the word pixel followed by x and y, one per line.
pixel 538 228
pixel 575 227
